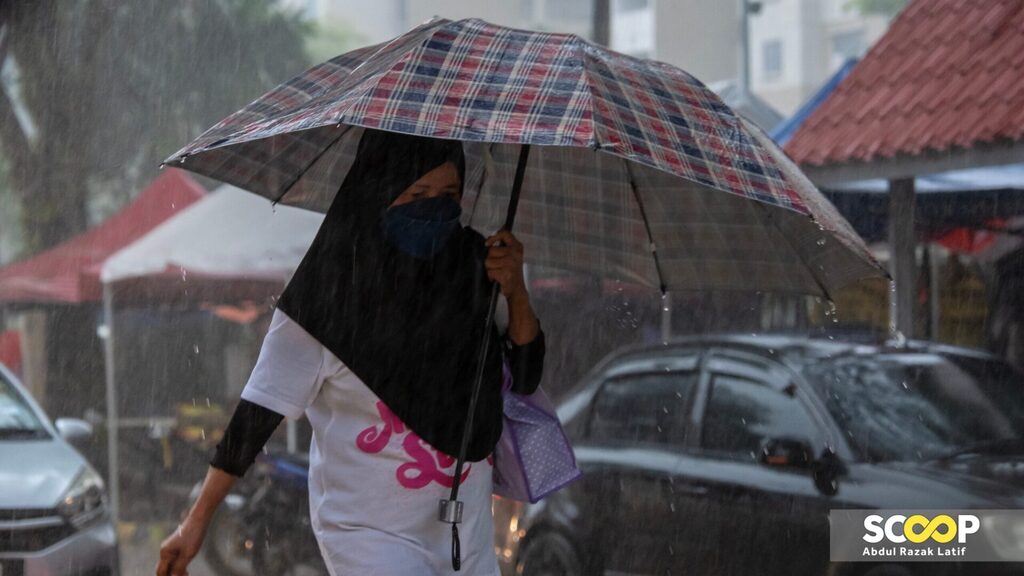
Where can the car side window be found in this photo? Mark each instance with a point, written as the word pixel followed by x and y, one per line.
pixel 649 408
pixel 742 413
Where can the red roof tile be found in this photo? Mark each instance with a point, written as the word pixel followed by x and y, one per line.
pixel 948 73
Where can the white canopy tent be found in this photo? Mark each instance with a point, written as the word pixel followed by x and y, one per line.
pixel 229 234
pixel 225 246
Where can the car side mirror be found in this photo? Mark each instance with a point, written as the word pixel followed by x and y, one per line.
pixel 76 432
pixel 786 452
pixel 825 470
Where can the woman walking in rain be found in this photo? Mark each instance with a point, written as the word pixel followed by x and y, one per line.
pixel 376 339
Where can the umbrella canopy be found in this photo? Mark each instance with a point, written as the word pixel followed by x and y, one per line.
pixel 230 245
pixel 69 272
pixel 640 171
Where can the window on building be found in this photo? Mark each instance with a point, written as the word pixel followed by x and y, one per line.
pixel 771 57
pixel 848 45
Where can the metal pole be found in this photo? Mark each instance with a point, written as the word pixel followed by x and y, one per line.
pixel 902 257
pixel 743 65
pixel 292 429
pixel 602 26
pixel 934 295
pixel 113 482
pixel 666 317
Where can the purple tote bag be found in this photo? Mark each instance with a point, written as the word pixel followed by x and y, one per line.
pixel 533 457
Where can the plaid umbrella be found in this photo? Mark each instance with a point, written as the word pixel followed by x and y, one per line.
pixel 639 171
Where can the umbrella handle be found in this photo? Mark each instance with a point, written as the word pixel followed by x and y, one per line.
pixel 453 501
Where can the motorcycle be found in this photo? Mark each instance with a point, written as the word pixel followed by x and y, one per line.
pixel 263 528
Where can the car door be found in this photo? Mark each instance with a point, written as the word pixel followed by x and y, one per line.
pixel 750 517
pixel 638 421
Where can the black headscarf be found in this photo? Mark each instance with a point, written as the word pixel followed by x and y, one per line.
pixel 409 328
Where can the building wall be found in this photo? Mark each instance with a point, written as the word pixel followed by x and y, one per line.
pixel 808 40
pixel 795 45
pixel 699 36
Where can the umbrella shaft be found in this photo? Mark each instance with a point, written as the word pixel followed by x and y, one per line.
pixel 510 218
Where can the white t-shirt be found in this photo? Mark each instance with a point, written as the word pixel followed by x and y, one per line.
pixel 374 485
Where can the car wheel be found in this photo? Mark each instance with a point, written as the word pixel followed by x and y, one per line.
pixel 549 554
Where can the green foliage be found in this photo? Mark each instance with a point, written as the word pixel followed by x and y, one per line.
pixel 883 7
pixel 115 87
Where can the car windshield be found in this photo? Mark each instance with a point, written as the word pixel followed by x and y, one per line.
pixel 17 419
pixel 911 406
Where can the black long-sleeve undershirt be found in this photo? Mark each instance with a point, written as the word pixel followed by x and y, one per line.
pixel 252 425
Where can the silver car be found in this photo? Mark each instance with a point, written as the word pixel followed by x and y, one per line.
pixel 53 510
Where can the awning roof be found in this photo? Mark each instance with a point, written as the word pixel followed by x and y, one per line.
pixel 69 272
pixel 947 78
pixel 230 246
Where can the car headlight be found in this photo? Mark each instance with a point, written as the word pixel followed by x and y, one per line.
pixel 84 500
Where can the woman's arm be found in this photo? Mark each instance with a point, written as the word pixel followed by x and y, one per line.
pixel 504 265
pixel 250 427
pixel 526 363
pixel 178 549
pixel 526 345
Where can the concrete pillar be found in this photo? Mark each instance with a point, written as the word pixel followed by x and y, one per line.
pixel 902 255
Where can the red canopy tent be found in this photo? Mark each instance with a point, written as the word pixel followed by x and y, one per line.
pixel 69 272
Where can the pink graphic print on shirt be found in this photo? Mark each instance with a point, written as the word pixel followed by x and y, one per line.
pixel 427 463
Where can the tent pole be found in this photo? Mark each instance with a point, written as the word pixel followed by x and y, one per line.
pixel 292 429
pixel 112 421
pixel 934 295
pixel 666 317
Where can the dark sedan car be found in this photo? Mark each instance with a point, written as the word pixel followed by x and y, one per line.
pixel 725 455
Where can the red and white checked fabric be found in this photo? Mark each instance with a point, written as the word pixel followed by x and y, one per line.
pixel 629 155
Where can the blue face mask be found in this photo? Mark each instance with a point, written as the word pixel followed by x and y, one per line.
pixel 421 228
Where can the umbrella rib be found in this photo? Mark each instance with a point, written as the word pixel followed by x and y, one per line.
pixel 771 218
pixel 315 159
pixel 647 225
pixel 487 163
